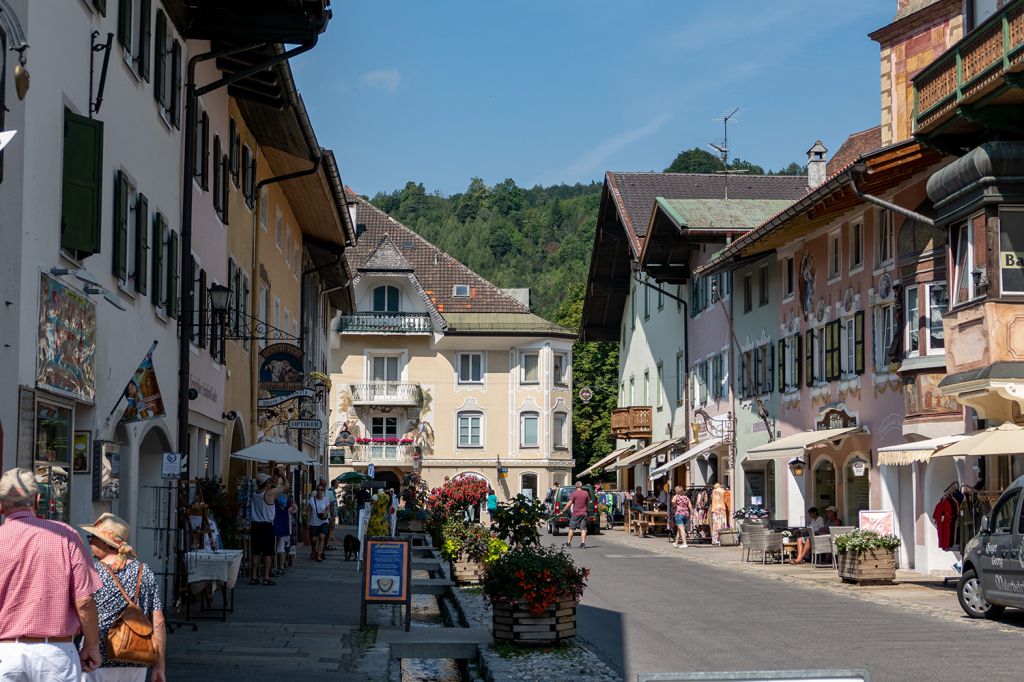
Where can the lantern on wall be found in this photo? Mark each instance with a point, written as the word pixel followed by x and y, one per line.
pixel 797 466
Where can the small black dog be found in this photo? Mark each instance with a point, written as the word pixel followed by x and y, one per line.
pixel 351 547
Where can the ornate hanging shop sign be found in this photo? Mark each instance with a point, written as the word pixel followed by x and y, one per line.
pixel 281 370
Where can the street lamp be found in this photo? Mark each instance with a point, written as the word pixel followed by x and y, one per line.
pixel 797 466
pixel 220 298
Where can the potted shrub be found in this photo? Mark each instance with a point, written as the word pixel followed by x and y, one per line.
pixel 866 556
pixel 467 547
pixel 452 501
pixel 533 591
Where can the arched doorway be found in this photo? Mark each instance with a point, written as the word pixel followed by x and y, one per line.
pixel 528 485
pixel 824 485
pixel 858 494
pixel 153 497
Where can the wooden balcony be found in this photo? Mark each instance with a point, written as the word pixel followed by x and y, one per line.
pixel 387 393
pixel 631 422
pixel 385 323
pixel 972 88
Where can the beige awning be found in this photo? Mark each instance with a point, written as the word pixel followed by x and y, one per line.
pixel 797 444
pixel 605 461
pixel 915 451
pixel 695 451
pixel 1005 439
pixel 649 451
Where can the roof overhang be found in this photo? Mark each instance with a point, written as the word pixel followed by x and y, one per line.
pixel 607 289
pixel 700 449
pixel 646 453
pixel 606 460
pixel 250 21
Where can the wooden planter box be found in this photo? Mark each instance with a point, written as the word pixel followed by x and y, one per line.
pixel 467 572
pixel 729 538
pixel 877 567
pixel 514 623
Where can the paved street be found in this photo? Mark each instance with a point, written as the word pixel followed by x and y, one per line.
pixel 653 608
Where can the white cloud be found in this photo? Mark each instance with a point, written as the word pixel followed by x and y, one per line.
pixel 387 80
pixel 594 159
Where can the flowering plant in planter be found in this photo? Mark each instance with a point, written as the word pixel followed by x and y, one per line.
pixel 539 576
pixel 384 441
pixel 451 500
pixel 468 541
pixel 862 541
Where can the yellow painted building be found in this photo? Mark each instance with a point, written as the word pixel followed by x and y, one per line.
pixel 440 371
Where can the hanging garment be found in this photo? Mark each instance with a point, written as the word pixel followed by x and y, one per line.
pixel 945 522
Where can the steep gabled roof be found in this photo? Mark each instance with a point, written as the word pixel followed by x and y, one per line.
pixel 382 240
pixel 856 145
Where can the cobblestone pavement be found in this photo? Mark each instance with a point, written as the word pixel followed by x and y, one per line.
pixel 650 607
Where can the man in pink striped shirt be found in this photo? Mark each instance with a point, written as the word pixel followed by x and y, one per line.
pixel 47 583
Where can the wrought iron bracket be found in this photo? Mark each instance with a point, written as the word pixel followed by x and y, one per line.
pixel 105 48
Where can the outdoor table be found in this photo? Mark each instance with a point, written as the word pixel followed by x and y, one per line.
pixel 653 519
pixel 209 570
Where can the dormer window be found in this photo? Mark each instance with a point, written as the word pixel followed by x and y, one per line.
pixel 460 291
pixel 385 299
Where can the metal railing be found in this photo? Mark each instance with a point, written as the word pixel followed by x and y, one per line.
pixel 385 323
pixel 381 454
pixel 386 393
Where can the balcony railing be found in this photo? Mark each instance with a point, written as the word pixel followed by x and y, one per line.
pixel 397 455
pixel 631 422
pixel 988 53
pixel 385 323
pixel 386 393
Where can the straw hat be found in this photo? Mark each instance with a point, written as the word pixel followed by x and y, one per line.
pixel 831 508
pixel 112 530
pixel 18 485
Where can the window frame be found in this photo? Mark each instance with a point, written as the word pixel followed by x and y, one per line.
pixel 388 289
pixel 659 398
pixel 680 379
pixel 523 418
pixel 748 292
pixel 457 287
pixel 1003 210
pixel 788 278
pixel 884 316
pixel 930 320
pixel 463 355
pixel 763 287
pixel 523 369
pixel 912 325
pixel 835 254
pixel 560 377
pixel 856 246
pixel 559 440
pixel 884 242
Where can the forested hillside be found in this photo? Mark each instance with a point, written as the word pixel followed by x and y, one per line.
pixel 539 238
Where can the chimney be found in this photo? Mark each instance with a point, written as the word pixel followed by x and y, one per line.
pixel 353 214
pixel 816 164
pixel 520 294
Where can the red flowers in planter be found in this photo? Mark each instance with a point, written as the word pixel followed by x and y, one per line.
pixel 384 441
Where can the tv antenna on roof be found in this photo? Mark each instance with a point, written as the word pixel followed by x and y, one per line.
pixel 723 148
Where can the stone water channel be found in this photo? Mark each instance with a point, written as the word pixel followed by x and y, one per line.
pixel 427 613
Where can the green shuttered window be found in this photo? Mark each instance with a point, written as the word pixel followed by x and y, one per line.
pixel 82 184
pixel 159 230
pixel 122 192
pixel 141 274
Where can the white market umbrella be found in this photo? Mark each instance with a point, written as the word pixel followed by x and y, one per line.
pixel 1005 439
pixel 268 451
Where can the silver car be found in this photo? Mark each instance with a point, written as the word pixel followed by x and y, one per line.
pixel 993 571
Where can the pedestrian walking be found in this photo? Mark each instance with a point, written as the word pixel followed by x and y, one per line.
pixel 578 502
pixel 331 494
pixel 126 581
pixel 492 503
pixel 261 531
pixel 682 510
pixel 319 512
pixel 47 584
pixel 283 509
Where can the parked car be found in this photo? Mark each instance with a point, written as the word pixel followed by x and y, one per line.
pixel 560 515
pixel 993 570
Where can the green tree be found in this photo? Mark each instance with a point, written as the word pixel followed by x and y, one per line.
pixel 506 197
pixel 695 160
pixel 475 199
pixel 793 168
pixel 751 168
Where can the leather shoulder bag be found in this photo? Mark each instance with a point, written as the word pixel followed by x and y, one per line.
pixel 130 638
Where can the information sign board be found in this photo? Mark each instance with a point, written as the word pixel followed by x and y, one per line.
pixel 387 574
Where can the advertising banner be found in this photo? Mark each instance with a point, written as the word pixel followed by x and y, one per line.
pixel 142 394
pixel 67 340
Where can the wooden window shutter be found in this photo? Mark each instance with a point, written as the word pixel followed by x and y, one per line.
pixel 124 23
pixel 144 50
pixel 234 142
pixel 141 243
pixel 232 310
pixel 120 259
pixel 756 384
pixel 201 322
pixel 173 264
pixel 224 189
pixel 160 57
pixel 101 6
pixel 217 179
pixel 798 359
pixel 858 341
pixel 770 373
pixel 809 334
pixel 158 260
pixel 236 295
pixel 204 152
pixel 782 366
pixel 245 173
pixel 175 106
pixel 833 350
pixel 828 352
pixel 82 184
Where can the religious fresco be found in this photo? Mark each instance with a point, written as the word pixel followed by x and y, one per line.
pixel 921 395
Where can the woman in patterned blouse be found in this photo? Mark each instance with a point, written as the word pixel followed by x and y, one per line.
pixel 108 539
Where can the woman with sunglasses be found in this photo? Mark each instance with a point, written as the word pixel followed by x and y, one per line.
pixel 319 516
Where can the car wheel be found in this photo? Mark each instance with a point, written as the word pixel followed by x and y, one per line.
pixel 553 529
pixel 972 597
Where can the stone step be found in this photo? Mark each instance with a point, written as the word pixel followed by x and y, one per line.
pixel 458 643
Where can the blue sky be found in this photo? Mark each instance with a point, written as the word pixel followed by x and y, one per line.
pixel 549 91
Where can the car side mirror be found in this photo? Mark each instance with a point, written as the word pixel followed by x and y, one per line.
pixel 983 528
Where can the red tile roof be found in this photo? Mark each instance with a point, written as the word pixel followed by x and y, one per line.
pixel 855 145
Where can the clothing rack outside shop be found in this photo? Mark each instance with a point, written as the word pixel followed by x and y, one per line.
pixel 957 517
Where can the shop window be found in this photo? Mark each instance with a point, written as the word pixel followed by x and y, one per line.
pixel 385 299
pixel 528 485
pixel 471 368
pixel 470 426
pixel 529 368
pixel 54 434
pixel 1011 249
pixel 558 427
pixel 529 430
pixel 938 303
pixel 912 337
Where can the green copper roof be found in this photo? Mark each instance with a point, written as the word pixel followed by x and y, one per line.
pixel 510 323
pixel 741 214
